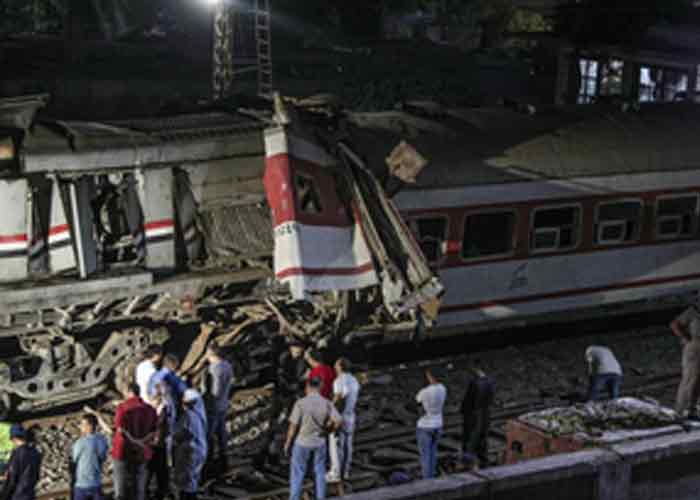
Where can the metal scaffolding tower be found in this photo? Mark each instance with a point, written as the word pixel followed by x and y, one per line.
pixel 263 38
pixel 226 17
pixel 222 50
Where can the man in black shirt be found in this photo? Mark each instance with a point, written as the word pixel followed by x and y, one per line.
pixel 476 413
pixel 23 468
pixel 291 374
pixel 289 386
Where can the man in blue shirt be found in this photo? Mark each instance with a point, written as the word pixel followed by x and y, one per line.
pixel 190 445
pixel 217 399
pixel 88 454
pixel 168 375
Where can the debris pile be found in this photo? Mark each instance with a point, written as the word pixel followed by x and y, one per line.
pixel 593 419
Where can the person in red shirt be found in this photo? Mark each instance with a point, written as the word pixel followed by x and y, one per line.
pixel 324 372
pixel 135 429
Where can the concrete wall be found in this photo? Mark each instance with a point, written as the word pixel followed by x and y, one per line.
pixel 653 469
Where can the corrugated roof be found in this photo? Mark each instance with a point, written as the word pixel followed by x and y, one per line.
pixel 486 146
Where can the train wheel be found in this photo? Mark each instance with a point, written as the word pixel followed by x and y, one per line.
pixel 125 374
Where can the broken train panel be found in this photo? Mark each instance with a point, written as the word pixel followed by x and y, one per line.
pixel 132 228
pixel 135 226
pixel 337 231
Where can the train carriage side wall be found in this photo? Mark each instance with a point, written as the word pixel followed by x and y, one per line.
pixel 534 248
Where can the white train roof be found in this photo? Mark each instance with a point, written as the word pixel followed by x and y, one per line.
pixel 497 145
pixel 182 139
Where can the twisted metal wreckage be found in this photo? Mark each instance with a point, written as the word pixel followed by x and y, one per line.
pixel 113 234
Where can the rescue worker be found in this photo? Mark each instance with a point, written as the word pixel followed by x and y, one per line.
pixel 312 418
pixel 604 372
pixel 23 468
pixel 146 369
pixel 476 415
pixel 322 371
pixel 88 454
pixel 346 390
pixel 190 445
pixel 429 426
pixel 135 425
pixel 218 382
pixel 687 328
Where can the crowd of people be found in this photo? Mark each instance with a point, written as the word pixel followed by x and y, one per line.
pixel 167 432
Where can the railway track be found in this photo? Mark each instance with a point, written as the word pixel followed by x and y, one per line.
pixel 385 440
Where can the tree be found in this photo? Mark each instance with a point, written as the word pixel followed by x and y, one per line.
pixel 622 22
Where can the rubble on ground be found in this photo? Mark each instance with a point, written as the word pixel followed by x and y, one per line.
pixel 592 419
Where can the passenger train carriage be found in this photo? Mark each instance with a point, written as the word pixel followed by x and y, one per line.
pixel 112 234
pixel 568 213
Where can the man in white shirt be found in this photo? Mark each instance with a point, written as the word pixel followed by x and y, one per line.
pixel 146 369
pixel 429 426
pixel 346 390
pixel 604 371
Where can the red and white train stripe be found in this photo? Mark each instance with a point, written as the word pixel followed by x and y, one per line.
pixel 522 284
pixel 13 245
pixel 159 230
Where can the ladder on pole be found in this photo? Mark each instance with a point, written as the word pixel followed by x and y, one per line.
pixel 263 40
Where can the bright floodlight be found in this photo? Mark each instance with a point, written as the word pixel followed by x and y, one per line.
pixel 211 2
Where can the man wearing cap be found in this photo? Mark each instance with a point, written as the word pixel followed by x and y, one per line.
pixel 429 426
pixel 190 445
pixel 312 418
pixel 23 468
pixel 135 428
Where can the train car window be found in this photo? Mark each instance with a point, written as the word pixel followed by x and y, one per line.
pixel 488 234
pixel 676 217
pixel 555 228
pixel 431 234
pixel 307 194
pixel 589 80
pixel 618 222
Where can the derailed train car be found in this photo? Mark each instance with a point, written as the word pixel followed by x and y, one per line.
pixel 114 232
pixel 111 234
pixel 566 214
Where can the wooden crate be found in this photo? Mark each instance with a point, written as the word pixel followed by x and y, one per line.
pixel 524 441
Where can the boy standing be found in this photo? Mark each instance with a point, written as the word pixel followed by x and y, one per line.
pixel 87 455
